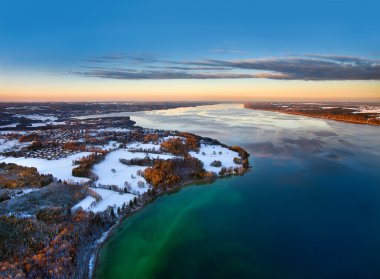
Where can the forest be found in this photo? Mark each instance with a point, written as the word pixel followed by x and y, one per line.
pixel 86 163
pixel 13 176
pixel 52 245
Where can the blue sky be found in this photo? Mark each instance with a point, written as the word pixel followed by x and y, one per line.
pixel 69 36
pixel 188 29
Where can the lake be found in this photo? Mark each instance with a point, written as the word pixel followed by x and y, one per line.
pixel 308 208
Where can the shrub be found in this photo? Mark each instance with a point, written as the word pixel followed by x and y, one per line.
pixel 216 163
pixel 237 160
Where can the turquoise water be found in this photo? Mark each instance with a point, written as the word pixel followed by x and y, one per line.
pixel 309 208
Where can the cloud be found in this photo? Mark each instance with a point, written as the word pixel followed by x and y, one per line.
pixel 307 68
pixel 228 51
pixel 310 67
pixel 139 75
pixel 340 58
pixel 125 58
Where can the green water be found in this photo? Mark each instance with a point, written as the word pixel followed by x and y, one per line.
pixel 309 208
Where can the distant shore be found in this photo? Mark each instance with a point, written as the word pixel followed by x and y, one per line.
pixel 336 114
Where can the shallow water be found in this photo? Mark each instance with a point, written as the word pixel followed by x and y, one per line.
pixel 309 208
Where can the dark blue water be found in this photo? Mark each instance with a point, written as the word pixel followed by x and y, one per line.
pixel 309 207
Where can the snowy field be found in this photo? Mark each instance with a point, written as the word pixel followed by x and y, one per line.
pixel 111 172
pixel 61 168
pixel 11 145
pixel 109 198
pixel 209 153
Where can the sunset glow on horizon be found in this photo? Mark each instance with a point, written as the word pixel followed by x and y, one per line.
pixel 182 90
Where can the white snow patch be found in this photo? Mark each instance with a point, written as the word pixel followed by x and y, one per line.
pixel 61 168
pixel 109 198
pixel 110 145
pixel 11 145
pixel 111 172
pixel 172 137
pixel 85 203
pixel 38 117
pixel 42 124
pixel 144 146
pixel 13 132
pixel 121 130
pixel 13 125
pixel 368 109
pixel 26 191
pixel 209 153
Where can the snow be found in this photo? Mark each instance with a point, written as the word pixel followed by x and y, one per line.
pixel 109 198
pixel 328 107
pixel 11 145
pixel 368 109
pixel 42 124
pixel 38 117
pixel 144 146
pixel 226 157
pixel 111 172
pixel 172 137
pixel 29 190
pixel 61 168
pixel 13 132
pixel 85 203
pixel 121 130
pixel 13 125
pixel 26 191
pixel 123 173
pixel 110 145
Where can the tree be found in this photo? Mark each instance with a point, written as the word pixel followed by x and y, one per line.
pixel 141 184
pixel 216 163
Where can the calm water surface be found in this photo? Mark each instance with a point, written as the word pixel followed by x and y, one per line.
pixel 309 208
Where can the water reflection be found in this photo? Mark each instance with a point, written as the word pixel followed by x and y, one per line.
pixel 269 134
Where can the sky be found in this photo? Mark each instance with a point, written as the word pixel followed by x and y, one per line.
pixel 189 50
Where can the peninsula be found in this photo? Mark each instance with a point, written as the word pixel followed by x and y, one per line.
pixel 65 182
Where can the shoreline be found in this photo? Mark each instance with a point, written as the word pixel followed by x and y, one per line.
pixel 316 116
pixel 94 255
